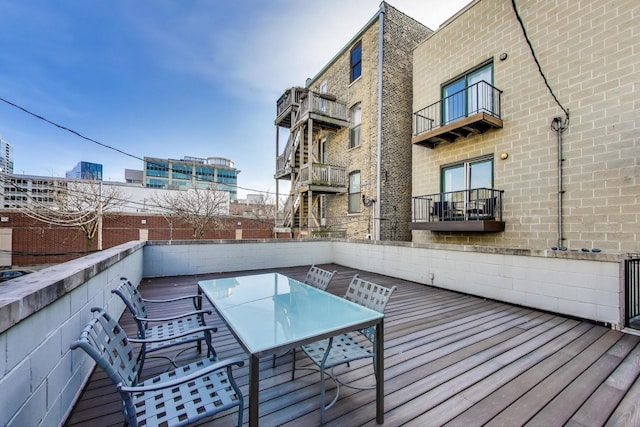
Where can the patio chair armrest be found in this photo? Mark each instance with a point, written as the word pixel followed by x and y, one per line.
pixel 180 298
pixel 221 364
pixel 184 334
pixel 167 319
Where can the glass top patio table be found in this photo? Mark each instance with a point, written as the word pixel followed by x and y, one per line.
pixel 270 313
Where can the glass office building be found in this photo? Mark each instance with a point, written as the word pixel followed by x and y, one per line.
pixel 191 172
pixel 86 170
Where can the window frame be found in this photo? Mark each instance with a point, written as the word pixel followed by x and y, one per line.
pixel 354 196
pixel 451 108
pixel 355 61
pixel 355 134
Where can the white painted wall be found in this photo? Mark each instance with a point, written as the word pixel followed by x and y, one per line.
pixel 177 258
pixel 40 377
pixel 586 285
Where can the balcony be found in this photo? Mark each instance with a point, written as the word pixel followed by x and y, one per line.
pixel 472 111
pixel 476 210
pixel 323 178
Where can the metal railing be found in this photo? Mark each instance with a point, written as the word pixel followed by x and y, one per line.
pixel 466 205
pixel 477 98
pixel 632 290
pixel 323 174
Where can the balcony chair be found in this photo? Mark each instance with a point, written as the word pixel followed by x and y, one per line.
pixel 346 348
pixel 175 398
pixel 166 332
pixel 318 278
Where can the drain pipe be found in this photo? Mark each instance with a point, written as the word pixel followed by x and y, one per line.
pixel 376 224
pixel 558 126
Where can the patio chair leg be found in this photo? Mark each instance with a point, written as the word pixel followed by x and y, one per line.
pixel 293 369
pixel 322 396
pixel 211 352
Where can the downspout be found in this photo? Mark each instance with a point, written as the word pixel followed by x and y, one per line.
pixel 376 224
pixel 558 126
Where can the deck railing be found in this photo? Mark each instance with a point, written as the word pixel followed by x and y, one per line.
pixel 290 97
pixel 323 104
pixel 323 174
pixel 467 205
pixel 477 98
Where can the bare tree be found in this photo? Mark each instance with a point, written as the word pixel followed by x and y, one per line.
pixel 81 204
pixel 198 207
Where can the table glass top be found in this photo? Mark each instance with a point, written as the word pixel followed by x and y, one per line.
pixel 271 310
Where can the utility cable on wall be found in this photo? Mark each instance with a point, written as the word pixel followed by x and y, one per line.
pixel 535 58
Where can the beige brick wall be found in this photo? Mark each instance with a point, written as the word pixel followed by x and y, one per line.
pixel 588 50
pixel 402 33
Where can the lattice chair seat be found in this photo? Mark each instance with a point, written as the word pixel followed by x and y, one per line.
pixel 175 398
pixel 346 348
pixel 160 333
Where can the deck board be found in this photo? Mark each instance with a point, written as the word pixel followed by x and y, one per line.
pixel 450 359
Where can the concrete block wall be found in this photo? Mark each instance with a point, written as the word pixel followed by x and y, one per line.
pixel 40 377
pixel 588 52
pixel 584 285
pixel 197 257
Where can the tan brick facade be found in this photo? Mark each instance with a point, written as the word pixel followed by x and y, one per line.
pixel 401 35
pixel 588 50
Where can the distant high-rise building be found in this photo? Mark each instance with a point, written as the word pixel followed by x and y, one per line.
pixel 6 156
pixel 86 170
pixel 191 172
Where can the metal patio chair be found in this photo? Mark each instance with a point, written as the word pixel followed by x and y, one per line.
pixel 162 333
pixel 175 398
pixel 318 277
pixel 349 347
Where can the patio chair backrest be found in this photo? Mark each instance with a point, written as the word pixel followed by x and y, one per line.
pixel 106 342
pixel 319 278
pixel 134 302
pixel 369 294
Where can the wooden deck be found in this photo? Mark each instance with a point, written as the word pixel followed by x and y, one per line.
pixel 450 359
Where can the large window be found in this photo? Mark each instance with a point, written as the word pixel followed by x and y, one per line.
pixel 356 61
pixel 354 192
pixel 468 175
pixel 355 120
pixel 468 94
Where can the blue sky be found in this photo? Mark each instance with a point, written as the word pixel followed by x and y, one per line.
pixel 167 78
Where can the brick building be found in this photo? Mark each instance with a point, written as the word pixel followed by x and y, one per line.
pixel 348 152
pixel 27 241
pixel 496 160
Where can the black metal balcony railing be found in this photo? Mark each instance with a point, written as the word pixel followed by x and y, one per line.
pixel 467 205
pixel 480 97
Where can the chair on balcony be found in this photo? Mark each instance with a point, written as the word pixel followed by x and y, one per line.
pixel 349 347
pixel 162 333
pixel 175 398
pixel 442 210
pixel 319 278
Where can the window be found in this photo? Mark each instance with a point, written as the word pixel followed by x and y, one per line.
pixel 468 94
pixel 356 61
pixel 356 118
pixel 468 175
pixel 354 192
pixel 464 185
